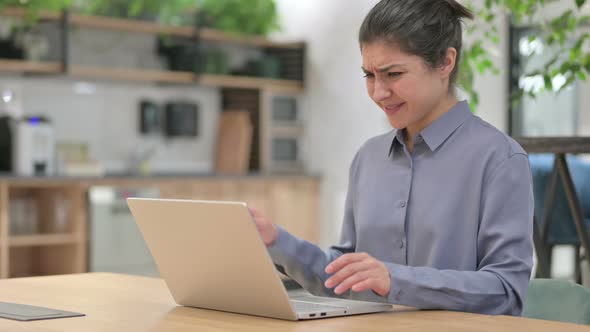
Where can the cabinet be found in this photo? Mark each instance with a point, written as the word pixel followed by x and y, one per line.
pixel 42 229
pixel 283 127
pixel 55 238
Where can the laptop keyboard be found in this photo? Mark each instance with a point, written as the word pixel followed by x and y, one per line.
pixel 302 306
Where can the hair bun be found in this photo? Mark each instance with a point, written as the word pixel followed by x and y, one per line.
pixel 459 10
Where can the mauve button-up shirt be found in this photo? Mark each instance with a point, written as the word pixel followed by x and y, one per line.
pixel 452 220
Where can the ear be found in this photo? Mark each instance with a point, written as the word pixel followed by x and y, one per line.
pixel 449 63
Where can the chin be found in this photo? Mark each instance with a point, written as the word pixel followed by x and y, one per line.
pixel 396 124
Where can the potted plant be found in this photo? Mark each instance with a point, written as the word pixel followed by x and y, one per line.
pixel 252 17
pixel 171 12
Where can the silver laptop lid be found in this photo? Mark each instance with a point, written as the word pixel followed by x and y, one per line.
pixel 211 256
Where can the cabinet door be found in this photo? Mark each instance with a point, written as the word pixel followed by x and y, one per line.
pixel 295 207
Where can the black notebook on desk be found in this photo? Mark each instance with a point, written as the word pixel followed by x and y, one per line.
pixel 25 312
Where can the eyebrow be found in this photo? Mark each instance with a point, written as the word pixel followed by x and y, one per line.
pixel 384 69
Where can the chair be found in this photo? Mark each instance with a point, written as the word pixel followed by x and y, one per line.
pixel 561 229
pixel 557 300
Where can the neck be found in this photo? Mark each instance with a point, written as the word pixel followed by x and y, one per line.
pixel 441 108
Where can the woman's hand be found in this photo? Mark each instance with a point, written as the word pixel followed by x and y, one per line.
pixel 359 272
pixel 268 231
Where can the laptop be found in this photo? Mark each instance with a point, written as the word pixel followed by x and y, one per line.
pixel 211 256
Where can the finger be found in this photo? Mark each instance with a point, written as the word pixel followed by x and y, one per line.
pixel 351 281
pixel 374 284
pixel 344 260
pixel 346 272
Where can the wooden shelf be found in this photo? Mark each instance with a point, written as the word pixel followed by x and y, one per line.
pixel 221 36
pixel 243 82
pixel 41 240
pixel 135 25
pixel 22 66
pixel 208 34
pixel 287 131
pixel 136 75
pixel 149 75
pixel 110 23
pixel 21 13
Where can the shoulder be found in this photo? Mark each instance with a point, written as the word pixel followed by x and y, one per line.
pixel 379 144
pixel 492 140
pixel 493 146
pixel 374 149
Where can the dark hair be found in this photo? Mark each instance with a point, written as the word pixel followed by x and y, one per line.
pixel 426 28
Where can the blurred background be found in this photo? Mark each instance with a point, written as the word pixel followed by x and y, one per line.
pixel 260 101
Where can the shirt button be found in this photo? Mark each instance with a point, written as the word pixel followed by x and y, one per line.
pixel 402 204
pixel 419 139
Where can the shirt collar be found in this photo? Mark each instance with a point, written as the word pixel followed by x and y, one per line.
pixel 441 129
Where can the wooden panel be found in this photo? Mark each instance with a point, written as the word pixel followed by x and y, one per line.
pixel 247 100
pixel 21 66
pixel 244 82
pixel 233 142
pixel 78 225
pixel 292 204
pixel 41 240
pixel 109 23
pixel 288 131
pixel 555 144
pixel 58 260
pixel 220 36
pixel 23 262
pixel 138 75
pixel 21 12
pixel 4 221
pixel 42 260
pixel 46 200
pixel 255 193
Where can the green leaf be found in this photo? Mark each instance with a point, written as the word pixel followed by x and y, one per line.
pixel 580 3
pixel 548 82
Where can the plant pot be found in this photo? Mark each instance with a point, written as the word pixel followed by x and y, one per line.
pixel 9 50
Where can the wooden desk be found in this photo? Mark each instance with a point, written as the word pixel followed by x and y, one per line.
pixel 115 302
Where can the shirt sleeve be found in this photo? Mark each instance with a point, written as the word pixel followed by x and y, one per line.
pixel 305 262
pixel 505 253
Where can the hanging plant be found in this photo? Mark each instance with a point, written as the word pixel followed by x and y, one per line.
pixel 253 17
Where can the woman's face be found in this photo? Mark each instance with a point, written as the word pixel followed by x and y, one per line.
pixel 411 93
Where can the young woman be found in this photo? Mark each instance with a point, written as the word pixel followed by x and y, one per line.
pixel 439 211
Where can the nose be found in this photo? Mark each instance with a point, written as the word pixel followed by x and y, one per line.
pixel 381 90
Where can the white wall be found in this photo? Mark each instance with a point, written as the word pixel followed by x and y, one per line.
pixel 340 114
pixel 104 114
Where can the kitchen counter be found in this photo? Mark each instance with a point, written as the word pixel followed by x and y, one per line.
pixel 123 178
pixel 63 211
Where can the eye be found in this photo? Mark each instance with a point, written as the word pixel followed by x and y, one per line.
pixel 368 75
pixel 395 74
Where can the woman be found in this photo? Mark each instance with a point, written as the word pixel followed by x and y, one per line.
pixel 439 211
